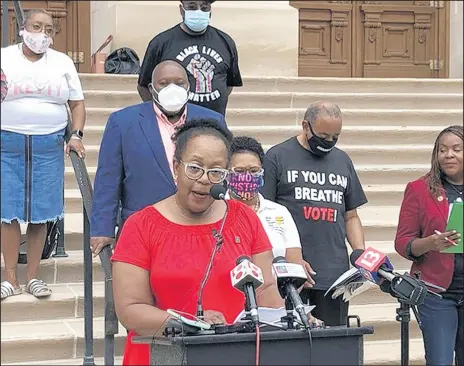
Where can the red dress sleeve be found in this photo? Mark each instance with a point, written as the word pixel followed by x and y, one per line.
pixel 133 245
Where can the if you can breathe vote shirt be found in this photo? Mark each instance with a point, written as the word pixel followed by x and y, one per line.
pixel 317 192
pixel 211 61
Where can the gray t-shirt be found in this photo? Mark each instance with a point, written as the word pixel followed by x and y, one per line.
pixel 317 192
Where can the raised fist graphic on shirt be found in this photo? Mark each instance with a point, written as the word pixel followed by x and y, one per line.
pixel 203 72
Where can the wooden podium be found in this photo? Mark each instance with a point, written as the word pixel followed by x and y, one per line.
pixel 330 346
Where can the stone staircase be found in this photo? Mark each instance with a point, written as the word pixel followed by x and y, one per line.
pixel 389 128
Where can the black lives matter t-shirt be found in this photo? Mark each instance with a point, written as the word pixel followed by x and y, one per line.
pixel 317 192
pixel 211 61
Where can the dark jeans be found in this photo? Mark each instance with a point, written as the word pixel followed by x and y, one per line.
pixel 442 329
pixel 332 311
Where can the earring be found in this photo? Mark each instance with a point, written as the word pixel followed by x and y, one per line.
pixel 175 179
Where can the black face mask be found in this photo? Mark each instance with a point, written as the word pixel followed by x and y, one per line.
pixel 318 145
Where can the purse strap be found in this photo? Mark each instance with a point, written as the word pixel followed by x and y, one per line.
pixel 104 44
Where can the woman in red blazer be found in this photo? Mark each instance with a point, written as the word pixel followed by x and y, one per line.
pixel 425 210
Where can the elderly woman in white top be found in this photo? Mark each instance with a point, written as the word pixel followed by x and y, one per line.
pixel 245 181
pixel 39 83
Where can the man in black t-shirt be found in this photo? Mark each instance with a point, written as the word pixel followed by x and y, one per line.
pixel 319 186
pixel 208 54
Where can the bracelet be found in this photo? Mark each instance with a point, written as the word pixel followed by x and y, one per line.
pixel 75 137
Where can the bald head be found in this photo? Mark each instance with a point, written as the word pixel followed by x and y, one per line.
pixel 322 110
pixel 169 72
pixel 324 119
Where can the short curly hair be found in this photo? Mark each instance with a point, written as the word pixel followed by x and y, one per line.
pixel 241 144
pixel 200 127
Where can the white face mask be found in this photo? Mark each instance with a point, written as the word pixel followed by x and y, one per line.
pixel 36 42
pixel 172 98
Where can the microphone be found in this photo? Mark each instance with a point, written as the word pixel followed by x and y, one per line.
pixel 372 264
pixel 218 192
pixel 291 276
pixel 376 267
pixel 247 277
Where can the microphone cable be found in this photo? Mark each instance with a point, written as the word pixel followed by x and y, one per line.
pixel 258 345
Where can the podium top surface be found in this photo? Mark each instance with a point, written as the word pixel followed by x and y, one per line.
pixel 211 337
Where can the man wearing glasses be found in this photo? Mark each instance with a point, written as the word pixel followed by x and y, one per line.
pixel 135 164
pixel 209 55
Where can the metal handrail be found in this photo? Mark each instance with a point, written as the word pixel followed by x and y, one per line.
pixel 19 16
pixel 111 319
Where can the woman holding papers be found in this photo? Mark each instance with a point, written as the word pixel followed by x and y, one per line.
pixel 424 237
pixel 164 249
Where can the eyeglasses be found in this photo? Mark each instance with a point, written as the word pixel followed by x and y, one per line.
pixel 194 6
pixel 37 27
pixel 255 171
pixel 194 172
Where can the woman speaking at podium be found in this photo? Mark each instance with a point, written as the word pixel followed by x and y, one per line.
pixel 422 235
pixel 164 249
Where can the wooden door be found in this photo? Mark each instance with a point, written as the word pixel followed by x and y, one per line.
pixel 382 39
pixel 400 39
pixel 325 33
pixel 72 23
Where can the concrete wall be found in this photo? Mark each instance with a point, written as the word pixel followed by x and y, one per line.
pixel 266 32
pixel 456 39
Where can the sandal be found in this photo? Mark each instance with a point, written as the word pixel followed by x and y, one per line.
pixel 7 290
pixel 38 288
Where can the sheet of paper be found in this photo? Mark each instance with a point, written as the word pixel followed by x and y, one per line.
pixel 271 315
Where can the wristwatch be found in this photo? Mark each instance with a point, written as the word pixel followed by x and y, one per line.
pixel 78 133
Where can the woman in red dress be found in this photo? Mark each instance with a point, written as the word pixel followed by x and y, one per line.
pixel 164 249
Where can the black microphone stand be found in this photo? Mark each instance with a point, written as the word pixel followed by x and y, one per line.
pixel 410 293
pixel 290 317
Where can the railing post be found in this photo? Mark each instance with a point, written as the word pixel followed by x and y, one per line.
pixel 5 24
pixel 60 251
pixel 88 294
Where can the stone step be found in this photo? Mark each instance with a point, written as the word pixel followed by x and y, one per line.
pixel 379 225
pixel 65 302
pixel 52 340
pixel 378 195
pixel 294 116
pixel 359 154
pixel 238 99
pixel 71 361
pixel 383 318
pixel 67 299
pixel 369 174
pixel 389 352
pixel 64 339
pixel 351 135
pixel 296 84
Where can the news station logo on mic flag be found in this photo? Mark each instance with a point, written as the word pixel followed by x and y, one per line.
pixel 280 269
pixel 369 263
pixel 246 271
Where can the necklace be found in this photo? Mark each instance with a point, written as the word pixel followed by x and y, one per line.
pixel 210 210
pixel 454 187
pixel 256 206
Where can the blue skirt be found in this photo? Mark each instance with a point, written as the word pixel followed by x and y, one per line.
pixel 32 174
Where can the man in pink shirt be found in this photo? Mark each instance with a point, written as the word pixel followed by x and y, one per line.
pixel 135 161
